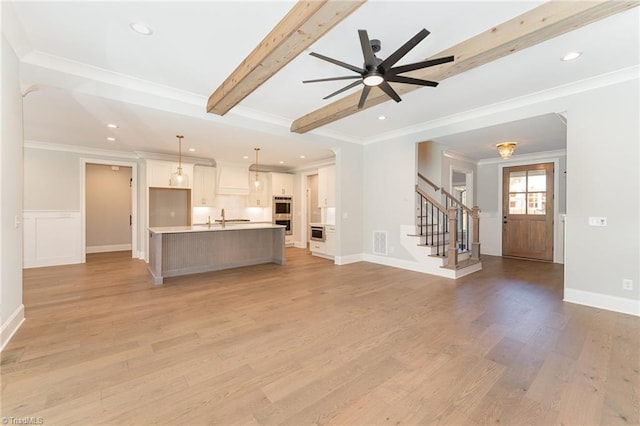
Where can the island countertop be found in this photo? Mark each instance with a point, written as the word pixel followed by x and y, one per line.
pixel 183 250
pixel 213 227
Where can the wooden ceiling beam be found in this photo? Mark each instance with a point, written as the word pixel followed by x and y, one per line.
pixel 305 23
pixel 543 23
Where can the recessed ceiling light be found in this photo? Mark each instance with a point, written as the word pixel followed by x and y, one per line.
pixel 302 156
pixel 246 157
pixel 192 150
pixel 112 126
pixel 281 162
pixel 382 117
pixel 111 139
pixel 141 28
pixel 571 56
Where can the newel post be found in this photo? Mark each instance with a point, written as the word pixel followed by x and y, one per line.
pixel 452 252
pixel 475 242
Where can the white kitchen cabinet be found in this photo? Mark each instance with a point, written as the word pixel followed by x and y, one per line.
pixel 281 184
pixel 204 186
pixel 327 186
pixel 330 240
pixel 159 174
pixel 317 247
pixel 260 197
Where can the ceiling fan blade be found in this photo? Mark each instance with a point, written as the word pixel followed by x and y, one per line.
pixel 403 50
pixel 348 77
pixel 363 96
pixel 409 80
pixel 386 88
pixel 339 63
pixel 347 87
pixel 420 65
pixel 367 51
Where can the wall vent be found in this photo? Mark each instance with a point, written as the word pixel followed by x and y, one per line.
pixel 380 242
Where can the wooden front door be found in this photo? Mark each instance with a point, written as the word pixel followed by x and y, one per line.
pixel 527 211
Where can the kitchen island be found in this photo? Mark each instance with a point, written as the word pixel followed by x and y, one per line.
pixel 183 250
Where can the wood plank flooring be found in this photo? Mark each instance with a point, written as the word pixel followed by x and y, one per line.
pixel 314 343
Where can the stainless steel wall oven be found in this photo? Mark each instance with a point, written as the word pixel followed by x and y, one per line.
pixel 282 213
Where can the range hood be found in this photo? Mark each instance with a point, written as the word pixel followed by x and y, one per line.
pixel 232 179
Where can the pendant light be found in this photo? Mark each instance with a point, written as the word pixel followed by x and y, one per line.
pixel 179 178
pixel 256 182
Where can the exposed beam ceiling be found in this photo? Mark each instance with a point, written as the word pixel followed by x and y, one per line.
pixel 540 24
pixel 305 23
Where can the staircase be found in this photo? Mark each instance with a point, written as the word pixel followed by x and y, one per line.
pixel 445 238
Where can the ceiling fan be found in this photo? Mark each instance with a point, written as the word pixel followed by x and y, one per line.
pixel 379 72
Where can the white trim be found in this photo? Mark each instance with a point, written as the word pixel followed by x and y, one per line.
pixel 457 156
pixel 11 326
pixel 408 265
pixel 109 248
pixel 602 301
pixel 77 149
pixel 525 158
pixel 351 258
pixel 134 201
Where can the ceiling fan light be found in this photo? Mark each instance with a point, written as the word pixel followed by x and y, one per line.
pixel 373 79
pixel 505 149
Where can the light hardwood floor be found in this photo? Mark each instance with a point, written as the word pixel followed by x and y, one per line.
pixel 314 343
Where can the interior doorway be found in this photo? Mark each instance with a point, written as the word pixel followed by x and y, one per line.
pixel 108 208
pixel 118 176
pixel 527 211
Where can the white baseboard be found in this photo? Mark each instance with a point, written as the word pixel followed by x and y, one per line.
pixel 299 244
pixel 104 249
pixel 602 301
pixel 10 326
pixel 352 258
pixel 408 265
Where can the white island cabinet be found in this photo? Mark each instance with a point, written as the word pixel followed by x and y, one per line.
pixel 183 250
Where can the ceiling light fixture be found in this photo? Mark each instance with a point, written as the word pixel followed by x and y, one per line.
pixel 192 150
pixel 110 139
pixel 302 156
pixel 373 79
pixel 141 28
pixel 179 178
pixel 505 149
pixel 256 182
pixel 112 126
pixel 382 117
pixel 571 56
pixel 281 162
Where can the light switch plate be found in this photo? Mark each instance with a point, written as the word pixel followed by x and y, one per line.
pixel 597 221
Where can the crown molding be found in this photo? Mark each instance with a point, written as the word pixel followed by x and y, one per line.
pixel 145 155
pixel 456 156
pixel 50 146
pixel 525 157
pixel 599 81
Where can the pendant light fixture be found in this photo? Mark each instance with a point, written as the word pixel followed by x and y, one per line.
pixel 505 149
pixel 256 182
pixel 179 178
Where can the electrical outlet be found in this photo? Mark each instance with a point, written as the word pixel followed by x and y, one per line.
pixel 627 284
pixel 597 221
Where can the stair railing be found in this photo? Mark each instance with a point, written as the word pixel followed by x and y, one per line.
pixel 433 220
pixel 463 220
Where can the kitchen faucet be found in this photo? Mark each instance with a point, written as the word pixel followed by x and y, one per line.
pixel 222 213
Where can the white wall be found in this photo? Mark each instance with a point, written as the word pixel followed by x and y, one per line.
pixel 603 180
pixel 349 202
pixel 11 182
pixel 389 191
pixel 53 181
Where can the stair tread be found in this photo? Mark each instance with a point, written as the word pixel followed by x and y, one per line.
pixel 462 264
